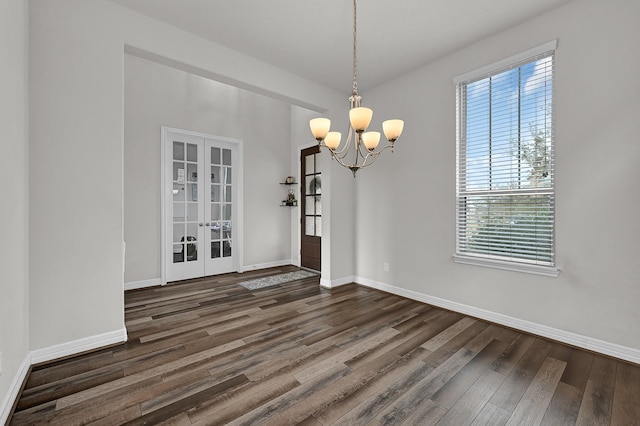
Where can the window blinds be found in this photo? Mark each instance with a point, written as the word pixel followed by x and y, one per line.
pixel 505 163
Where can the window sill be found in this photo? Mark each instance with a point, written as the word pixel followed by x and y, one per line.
pixel 549 271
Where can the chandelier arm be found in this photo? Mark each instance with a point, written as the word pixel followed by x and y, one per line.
pixel 374 155
pixel 340 160
pixel 342 152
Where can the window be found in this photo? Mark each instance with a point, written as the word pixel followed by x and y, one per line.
pixel 505 164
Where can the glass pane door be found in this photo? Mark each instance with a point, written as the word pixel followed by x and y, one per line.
pixel 311 193
pixel 200 211
pixel 185 202
pixel 184 206
pixel 220 207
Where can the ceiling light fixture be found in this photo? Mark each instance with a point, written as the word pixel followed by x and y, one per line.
pixel 365 143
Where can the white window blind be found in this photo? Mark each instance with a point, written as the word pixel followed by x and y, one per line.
pixel 505 163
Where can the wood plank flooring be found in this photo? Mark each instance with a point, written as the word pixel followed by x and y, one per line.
pixel 209 352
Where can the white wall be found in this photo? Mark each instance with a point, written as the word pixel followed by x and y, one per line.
pixel 14 211
pixel 411 197
pixel 77 126
pixel 157 95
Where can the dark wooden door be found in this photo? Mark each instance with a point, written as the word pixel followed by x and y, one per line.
pixel 311 195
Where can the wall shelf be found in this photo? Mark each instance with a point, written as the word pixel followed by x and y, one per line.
pixel 287 202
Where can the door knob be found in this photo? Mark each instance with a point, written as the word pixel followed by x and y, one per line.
pixel 207 224
pixel 200 224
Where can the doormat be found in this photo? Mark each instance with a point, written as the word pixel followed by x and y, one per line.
pixel 276 279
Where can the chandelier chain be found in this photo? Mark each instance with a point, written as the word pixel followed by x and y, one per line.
pixel 355 50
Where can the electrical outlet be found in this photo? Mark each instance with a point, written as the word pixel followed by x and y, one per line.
pixel 385 267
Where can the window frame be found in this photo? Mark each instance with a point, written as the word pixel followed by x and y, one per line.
pixel 493 260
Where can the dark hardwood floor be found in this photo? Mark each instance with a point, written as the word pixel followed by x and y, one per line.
pixel 209 351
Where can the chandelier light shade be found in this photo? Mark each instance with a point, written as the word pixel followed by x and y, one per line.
pixel 360 148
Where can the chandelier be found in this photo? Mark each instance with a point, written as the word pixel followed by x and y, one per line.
pixel 364 152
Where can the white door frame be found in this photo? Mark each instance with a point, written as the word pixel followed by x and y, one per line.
pixel 237 212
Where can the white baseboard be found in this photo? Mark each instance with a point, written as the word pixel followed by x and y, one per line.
pixel 14 390
pixel 54 352
pixel 336 283
pixel 142 284
pixel 78 346
pixel 574 339
pixel 267 265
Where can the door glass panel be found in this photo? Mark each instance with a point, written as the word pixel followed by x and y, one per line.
pixel 314 184
pixel 192 252
pixel 192 152
pixel 318 226
pixel 192 231
pixel 309 205
pixel 226 212
pixel 318 205
pixel 226 249
pixel 215 211
pixel 178 232
pixel 215 232
pixel 226 230
pixel 215 249
pixel 178 253
pixel 178 212
pixel 178 151
pixel 192 172
pixel 309 228
pixel 192 212
pixel 215 193
pixel 227 175
pixel 215 155
pixel 178 192
pixel 192 192
pixel 309 164
pixel 227 193
pixel 215 174
pixel 178 172
pixel 226 157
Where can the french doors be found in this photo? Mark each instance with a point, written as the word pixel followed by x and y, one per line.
pixel 200 200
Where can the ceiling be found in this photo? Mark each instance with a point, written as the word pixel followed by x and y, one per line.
pixel 313 38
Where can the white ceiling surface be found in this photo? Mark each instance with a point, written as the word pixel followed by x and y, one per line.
pixel 313 38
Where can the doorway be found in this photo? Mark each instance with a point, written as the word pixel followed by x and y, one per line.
pixel 311 217
pixel 200 193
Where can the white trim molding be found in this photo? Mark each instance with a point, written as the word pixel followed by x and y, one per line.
pixel 52 353
pixel 547 271
pixel 506 62
pixel 142 284
pixel 78 346
pixel 574 339
pixel 326 283
pixel 14 390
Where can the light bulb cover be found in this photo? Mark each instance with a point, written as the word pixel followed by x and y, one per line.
pixel 392 129
pixel 332 140
pixel 371 140
pixel 319 127
pixel 360 117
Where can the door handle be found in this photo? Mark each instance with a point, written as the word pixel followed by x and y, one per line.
pixel 200 224
pixel 207 224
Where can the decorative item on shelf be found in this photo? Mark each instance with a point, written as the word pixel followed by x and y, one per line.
pixel 365 143
pixel 291 199
pixel 289 180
